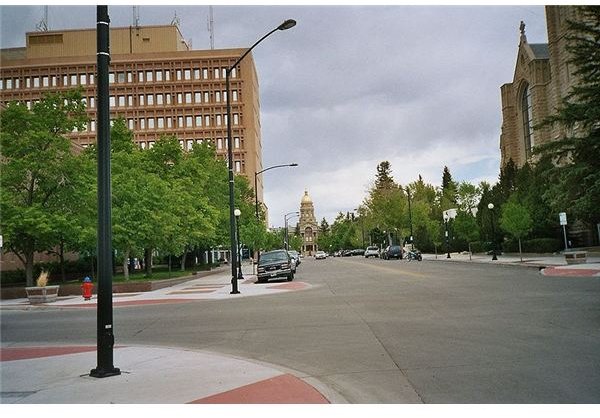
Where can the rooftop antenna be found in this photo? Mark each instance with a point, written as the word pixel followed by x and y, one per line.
pixel 136 17
pixel 211 27
pixel 42 26
pixel 176 21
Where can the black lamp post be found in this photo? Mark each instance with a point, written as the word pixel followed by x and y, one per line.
pixel 256 181
pixel 446 218
pixel 412 247
pixel 104 328
pixel 237 214
pixel 491 208
pixel 234 290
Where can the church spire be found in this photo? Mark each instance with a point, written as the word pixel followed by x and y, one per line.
pixel 523 39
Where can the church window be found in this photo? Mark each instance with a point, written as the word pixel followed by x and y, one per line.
pixel 527 117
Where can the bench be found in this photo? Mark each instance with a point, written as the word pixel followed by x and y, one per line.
pixel 576 257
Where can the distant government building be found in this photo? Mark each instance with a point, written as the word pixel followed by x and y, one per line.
pixel 158 84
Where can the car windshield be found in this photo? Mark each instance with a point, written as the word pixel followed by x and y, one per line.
pixel 395 248
pixel 372 248
pixel 273 256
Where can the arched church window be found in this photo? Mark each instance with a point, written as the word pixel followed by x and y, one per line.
pixel 527 117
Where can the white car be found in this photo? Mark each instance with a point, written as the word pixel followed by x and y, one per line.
pixel 320 255
pixel 372 252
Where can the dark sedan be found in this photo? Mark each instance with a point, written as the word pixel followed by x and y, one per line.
pixel 392 251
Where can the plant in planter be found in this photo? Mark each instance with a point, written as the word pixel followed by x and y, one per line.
pixel 42 293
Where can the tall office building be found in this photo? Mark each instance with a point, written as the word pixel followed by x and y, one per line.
pixel 157 84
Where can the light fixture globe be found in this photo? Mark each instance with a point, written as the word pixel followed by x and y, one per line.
pixel 289 23
pixel 490 206
pixel 237 212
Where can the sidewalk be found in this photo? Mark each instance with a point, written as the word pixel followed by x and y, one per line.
pixel 215 286
pixel 154 375
pixel 548 264
pixel 149 375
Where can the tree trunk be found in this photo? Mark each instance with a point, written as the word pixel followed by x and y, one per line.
pixel 126 264
pixel 148 261
pixel 29 268
pixel 183 257
pixel 61 255
pixel 520 252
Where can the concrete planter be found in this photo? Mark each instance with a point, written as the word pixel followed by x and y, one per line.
pixel 576 257
pixel 44 294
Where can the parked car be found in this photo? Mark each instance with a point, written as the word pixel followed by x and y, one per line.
pixel 295 255
pixel 346 253
pixel 358 251
pixel 372 251
pixel 274 264
pixel 392 251
pixel 320 255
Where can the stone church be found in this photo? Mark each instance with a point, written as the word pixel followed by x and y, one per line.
pixel 541 79
pixel 307 226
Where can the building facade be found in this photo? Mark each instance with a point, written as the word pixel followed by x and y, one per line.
pixel 542 78
pixel 157 84
pixel 307 226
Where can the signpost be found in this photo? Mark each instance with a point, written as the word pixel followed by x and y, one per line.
pixel 562 217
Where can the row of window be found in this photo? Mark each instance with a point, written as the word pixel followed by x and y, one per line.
pixel 197 121
pixel 168 98
pixel 114 77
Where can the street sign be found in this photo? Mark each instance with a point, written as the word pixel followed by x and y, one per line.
pixel 563 218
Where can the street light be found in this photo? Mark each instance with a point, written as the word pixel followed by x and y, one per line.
pixel 237 214
pixel 491 208
pixel 448 215
pixel 256 181
pixel 234 290
pixel 286 219
pixel 412 247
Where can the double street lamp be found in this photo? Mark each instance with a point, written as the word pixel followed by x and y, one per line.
pixel 234 288
pixel 256 181
pixel 286 219
pixel 237 214
pixel 448 215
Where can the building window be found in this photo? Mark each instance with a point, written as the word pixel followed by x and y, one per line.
pixel 46 81
pixel 121 101
pixel 178 74
pixel 179 98
pixel 190 144
pixel 218 120
pixel 206 120
pixel 168 97
pixel 129 77
pixel 92 102
pixel 198 121
pixel 141 100
pixel 188 97
pixel 217 96
pixel 93 126
pixel 234 73
pixel 150 123
pixel 196 74
pixel 169 123
pixel 120 77
pixel 180 122
pixel 150 100
pixel 36 82
pixel 111 78
pixel 161 123
pixel 142 123
pixel 159 99
pixel 198 97
pixel 167 75
pixel 206 97
pixel 219 143
pixel 112 101
pixel 91 77
pixel 159 76
pixel 54 81
pixel 238 166
pixel 188 121
pixel 234 95
pixel 130 124
pixel 223 72
pixel 205 73
pixel 130 100
pixel 527 116
pixel 236 119
pixel 236 142
pixel 187 74
pixel 148 75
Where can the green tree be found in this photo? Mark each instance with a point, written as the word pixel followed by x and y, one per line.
pixel 515 220
pixel 38 171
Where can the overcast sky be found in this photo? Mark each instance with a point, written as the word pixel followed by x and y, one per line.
pixel 351 86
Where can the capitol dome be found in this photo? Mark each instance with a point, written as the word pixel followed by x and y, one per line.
pixel 306 198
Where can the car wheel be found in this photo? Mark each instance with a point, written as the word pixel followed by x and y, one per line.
pixel 290 277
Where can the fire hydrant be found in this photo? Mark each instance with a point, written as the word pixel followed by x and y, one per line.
pixel 86 288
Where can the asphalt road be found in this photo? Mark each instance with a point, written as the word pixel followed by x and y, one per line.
pixel 383 331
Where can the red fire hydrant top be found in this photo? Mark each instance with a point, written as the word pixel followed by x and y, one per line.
pixel 86 288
